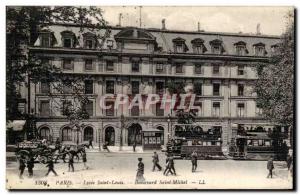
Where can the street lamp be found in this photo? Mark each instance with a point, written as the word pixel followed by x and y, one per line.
pixel 169 121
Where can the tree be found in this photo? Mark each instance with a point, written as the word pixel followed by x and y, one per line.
pixel 23 25
pixel 275 84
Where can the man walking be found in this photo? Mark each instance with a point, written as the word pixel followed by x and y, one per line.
pixel 155 162
pixel 22 166
pixel 194 157
pixel 90 143
pixel 71 161
pixel 84 160
pixel 270 167
pixel 140 171
pixel 105 146
pixel 30 165
pixel 169 166
pixel 134 145
pixel 50 165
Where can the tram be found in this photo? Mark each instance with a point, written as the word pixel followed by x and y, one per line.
pixel 191 137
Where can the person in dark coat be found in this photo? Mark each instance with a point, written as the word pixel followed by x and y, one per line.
pixel 194 159
pixel 71 161
pixel 50 165
pixel 30 166
pixel 270 167
pixel 289 161
pixel 140 171
pixel 169 166
pixel 22 166
pixel 156 162
pixel 84 160
pixel 90 143
pixel 134 146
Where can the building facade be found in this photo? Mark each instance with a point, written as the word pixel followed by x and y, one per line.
pixel 220 68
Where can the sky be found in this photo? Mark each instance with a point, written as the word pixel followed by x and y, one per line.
pixel 272 20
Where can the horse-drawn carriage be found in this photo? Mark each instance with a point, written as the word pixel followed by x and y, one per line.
pixel 41 152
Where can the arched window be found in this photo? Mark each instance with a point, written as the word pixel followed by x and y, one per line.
pixel 88 134
pixel 45 133
pixel 110 136
pixel 67 134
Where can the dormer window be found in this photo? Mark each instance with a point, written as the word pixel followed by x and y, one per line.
pixel 216 46
pixel 179 45
pixel 68 39
pixel 240 48
pixel 45 40
pixel 198 46
pixel 89 40
pixel 275 49
pixel 259 49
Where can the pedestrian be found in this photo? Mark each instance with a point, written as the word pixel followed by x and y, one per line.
pixel 22 166
pixel 105 146
pixel 270 167
pixel 30 166
pixel 140 171
pixel 90 143
pixel 289 161
pixel 71 161
pixel 156 162
pixel 50 165
pixel 168 166
pixel 84 160
pixel 194 157
pixel 134 145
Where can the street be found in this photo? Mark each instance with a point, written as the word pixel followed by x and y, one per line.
pixel 118 170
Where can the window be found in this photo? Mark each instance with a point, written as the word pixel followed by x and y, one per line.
pixel 88 87
pixel 216 68
pixel 216 109
pixel 67 42
pixel 66 106
pixel 89 108
pixel 241 70
pixel 159 111
pixel 88 64
pixel 88 134
pixel 109 66
pixel 240 89
pixel 67 134
pixel 45 40
pixel 111 110
pixel 198 68
pixel 198 104
pixel 67 64
pixel 216 89
pixel 179 48
pixel 67 88
pixel 159 88
pixel 135 86
pixel 198 49
pixel 240 50
pixel 45 108
pixel 45 133
pixel 135 111
pixel 45 87
pixel 259 49
pixel 198 88
pixel 258 110
pixel 110 87
pixel 135 67
pixel 216 49
pixel 89 44
pixel 159 68
pixel 240 109
pixel 179 68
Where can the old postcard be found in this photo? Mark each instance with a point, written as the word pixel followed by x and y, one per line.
pixel 139 97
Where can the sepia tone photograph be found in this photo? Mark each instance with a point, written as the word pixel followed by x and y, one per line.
pixel 150 97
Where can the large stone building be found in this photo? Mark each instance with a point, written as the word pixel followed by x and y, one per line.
pixel 135 60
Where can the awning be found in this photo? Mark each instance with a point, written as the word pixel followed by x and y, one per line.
pixel 16 125
pixel 151 130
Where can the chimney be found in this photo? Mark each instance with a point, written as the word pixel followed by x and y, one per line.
pixel 163 23
pixel 258 29
pixel 199 27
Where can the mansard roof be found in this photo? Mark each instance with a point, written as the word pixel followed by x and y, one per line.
pixel 165 38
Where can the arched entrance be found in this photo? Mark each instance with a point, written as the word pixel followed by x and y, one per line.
pixel 110 136
pixel 135 134
pixel 88 133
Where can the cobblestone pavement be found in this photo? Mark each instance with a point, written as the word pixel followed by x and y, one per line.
pixel 118 170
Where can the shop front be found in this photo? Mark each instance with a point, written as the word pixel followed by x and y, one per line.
pixel 152 139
